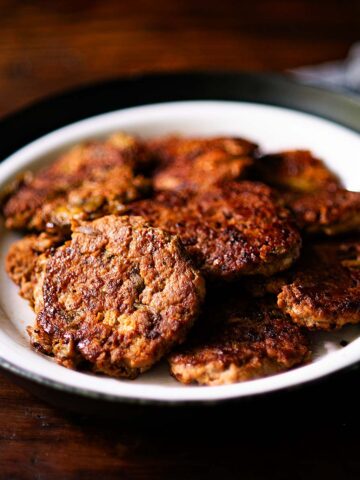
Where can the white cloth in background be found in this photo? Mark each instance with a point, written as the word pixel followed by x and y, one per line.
pixel 340 75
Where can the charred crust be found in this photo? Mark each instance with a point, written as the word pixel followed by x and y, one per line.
pixel 233 229
pixel 118 296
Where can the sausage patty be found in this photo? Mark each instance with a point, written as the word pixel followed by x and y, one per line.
pixel 236 341
pixel 195 163
pixel 21 261
pixel 323 290
pixel 327 212
pixel 89 181
pixel 314 193
pixel 233 229
pixel 296 170
pixel 115 298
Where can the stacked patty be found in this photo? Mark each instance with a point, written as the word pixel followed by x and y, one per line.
pixel 230 229
pixel 235 340
pixel 198 163
pixel 124 233
pixel 89 181
pixel 117 297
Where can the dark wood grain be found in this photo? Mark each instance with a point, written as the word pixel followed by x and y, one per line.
pixel 250 440
pixel 47 46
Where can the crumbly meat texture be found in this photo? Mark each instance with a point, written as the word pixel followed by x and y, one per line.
pixel 116 298
pixel 198 163
pixel 313 193
pixel 21 261
pixel 233 229
pixel 296 170
pixel 237 341
pixel 327 212
pixel 323 290
pixel 134 151
pixel 89 181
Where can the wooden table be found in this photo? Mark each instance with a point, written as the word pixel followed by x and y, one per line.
pixel 48 46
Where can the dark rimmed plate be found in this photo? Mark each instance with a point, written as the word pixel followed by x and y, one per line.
pixel 51 114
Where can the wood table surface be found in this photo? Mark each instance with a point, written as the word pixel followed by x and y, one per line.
pixel 47 46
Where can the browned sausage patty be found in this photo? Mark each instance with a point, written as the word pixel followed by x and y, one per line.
pixel 296 170
pixel 236 341
pixel 134 151
pixel 327 212
pixel 89 181
pixel 238 228
pixel 118 296
pixel 21 261
pixel 200 162
pixel 322 290
pixel 312 192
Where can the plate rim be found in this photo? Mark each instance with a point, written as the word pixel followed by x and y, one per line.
pixel 103 96
pixel 48 103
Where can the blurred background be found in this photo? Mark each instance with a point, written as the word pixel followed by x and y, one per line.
pixel 46 46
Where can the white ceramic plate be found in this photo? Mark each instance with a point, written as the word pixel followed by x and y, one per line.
pixel 274 129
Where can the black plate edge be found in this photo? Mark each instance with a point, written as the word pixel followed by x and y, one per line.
pixel 37 119
pixel 323 386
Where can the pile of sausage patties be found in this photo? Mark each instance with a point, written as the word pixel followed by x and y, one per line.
pixel 204 252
